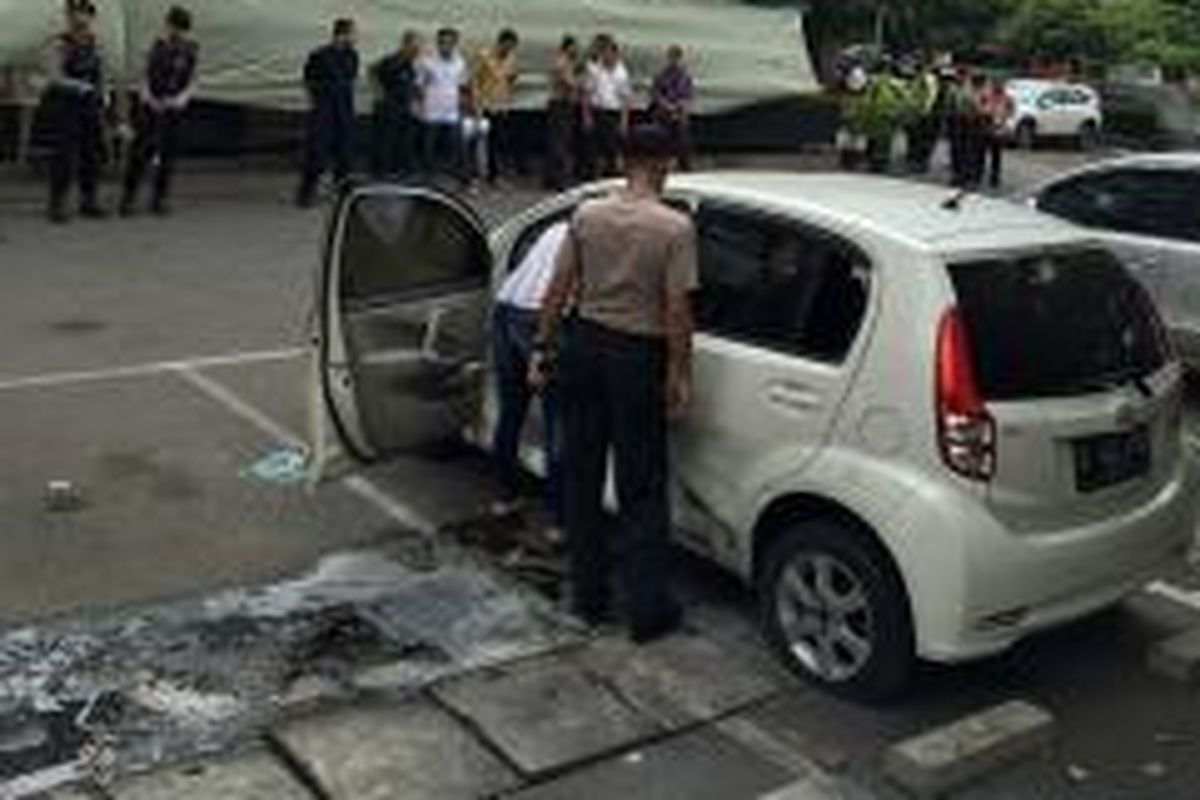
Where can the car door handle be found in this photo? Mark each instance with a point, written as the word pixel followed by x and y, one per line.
pixel 793 397
pixel 433 330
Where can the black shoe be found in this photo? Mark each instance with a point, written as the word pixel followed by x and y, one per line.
pixel 58 216
pixel 655 628
pixel 161 208
pixel 92 211
pixel 127 208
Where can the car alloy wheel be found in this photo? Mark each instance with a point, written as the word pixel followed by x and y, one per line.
pixel 825 616
pixel 835 609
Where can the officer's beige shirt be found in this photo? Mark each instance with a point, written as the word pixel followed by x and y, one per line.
pixel 629 254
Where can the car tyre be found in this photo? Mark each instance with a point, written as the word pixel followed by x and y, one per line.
pixel 835 611
pixel 1026 134
pixel 1089 136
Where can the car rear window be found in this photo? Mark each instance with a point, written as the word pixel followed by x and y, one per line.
pixel 1056 324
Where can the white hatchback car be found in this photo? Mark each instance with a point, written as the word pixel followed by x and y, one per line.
pixel 1053 110
pixel 923 427
pixel 1147 209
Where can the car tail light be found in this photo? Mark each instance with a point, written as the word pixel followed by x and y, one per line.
pixel 966 431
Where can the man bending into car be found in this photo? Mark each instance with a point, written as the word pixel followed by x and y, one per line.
pixel 624 366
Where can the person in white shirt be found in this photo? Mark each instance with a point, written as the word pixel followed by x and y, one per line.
pixel 445 99
pixel 606 112
pixel 514 326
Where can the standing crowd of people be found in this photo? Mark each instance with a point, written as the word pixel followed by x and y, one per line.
pixel 437 111
pixel 925 102
pixel 76 100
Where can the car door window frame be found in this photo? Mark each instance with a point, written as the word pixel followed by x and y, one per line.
pixel 859 263
pixel 411 293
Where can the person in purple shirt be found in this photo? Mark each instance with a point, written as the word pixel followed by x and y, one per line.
pixel 671 102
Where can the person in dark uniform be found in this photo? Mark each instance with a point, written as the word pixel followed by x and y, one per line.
pixel 329 76
pixel 627 269
pixel 74 103
pixel 170 80
pixel 563 114
pixel 397 129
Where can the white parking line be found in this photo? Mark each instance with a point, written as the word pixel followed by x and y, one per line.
pixel 223 395
pixel 400 513
pixel 366 489
pixel 153 368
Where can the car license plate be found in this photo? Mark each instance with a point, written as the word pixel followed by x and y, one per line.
pixel 1111 459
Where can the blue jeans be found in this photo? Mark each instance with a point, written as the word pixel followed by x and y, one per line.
pixel 513 332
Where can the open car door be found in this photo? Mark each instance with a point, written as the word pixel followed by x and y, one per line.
pixel 403 303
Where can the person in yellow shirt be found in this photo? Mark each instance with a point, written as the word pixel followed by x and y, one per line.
pixel 495 79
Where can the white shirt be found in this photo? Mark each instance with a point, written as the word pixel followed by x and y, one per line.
pixel 442 80
pixel 526 287
pixel 609 89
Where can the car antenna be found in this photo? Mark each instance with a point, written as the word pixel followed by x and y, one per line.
pixel 954 201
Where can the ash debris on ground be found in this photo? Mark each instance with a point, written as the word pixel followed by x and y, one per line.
pixel 131 691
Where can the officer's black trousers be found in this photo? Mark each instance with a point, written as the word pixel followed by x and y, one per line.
pixel 330 142
pixel 157 135
pixel 613 400
pixel 78 146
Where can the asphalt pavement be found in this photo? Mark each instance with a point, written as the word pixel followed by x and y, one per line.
pixel 158 366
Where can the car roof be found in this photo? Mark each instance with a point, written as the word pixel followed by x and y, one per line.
pixel 908 212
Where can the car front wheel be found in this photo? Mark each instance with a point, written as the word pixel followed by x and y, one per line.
pixel 1026 134
pixel 1089 136
pixel 836 612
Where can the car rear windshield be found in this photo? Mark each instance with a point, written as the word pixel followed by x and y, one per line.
pixel 1056 324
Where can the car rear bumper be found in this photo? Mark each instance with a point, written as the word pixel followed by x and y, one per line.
pixel 1011 586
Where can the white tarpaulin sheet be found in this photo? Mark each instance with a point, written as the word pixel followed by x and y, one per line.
pixel 252 50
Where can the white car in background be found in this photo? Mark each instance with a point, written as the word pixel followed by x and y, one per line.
pixel 924 425
pixel 1147 209
pixel 1053 110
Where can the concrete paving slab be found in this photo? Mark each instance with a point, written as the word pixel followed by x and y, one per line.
pixel 1178 658
pixel 704 765
pixel 412 751
pixel 932 763
pixel 682 679
pixel 256 776
pixel 547 714
pixel 167 510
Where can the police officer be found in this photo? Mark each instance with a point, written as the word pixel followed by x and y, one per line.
pixel 329 76
pixel 923 128
pixel 74 102
pixel 627 268
pixel 170 79
pixel 397 130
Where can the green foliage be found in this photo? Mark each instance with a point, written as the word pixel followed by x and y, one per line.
pixel 1094 32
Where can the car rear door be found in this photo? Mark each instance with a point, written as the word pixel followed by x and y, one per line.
pixel 778 313
pixel 403 296
pixel 1054 113
pixel 1074 370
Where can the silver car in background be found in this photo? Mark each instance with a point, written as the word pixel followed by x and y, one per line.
pixel 1147 209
